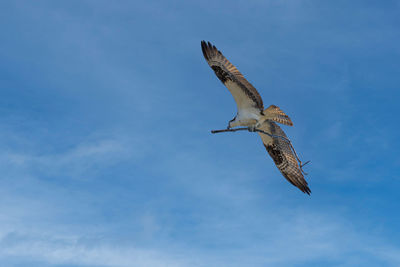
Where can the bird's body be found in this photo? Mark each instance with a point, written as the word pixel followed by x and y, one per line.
pixel 251 113
pixel 246 117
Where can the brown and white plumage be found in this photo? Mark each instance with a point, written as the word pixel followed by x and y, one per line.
pixel 248 100
pixel 274 113
pixel 251 113
pixel 245 94
pixel 282 155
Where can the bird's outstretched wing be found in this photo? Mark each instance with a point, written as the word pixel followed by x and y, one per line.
pixel 245 95
pixel 282 154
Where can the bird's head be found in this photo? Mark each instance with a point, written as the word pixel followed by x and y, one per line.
pixel 233 123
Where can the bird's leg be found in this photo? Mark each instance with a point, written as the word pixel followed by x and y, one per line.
pixel 259 123
pixel 255 126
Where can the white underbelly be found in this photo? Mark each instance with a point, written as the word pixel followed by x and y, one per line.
pixel 248 117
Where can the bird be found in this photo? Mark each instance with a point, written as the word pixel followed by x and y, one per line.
pixel 251 114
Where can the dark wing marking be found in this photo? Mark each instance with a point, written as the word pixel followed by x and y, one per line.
pixel 244 93
pixel 283 156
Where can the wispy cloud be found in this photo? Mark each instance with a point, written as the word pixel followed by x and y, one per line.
pixel 64 250
pixel 74 162
pixel 304 238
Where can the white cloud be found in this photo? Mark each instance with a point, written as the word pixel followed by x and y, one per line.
pixel 299 238
pixel 77 160
pixel 69 251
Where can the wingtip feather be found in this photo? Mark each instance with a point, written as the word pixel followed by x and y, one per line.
pixel 209 50
pixel 307 190
pixel 204 49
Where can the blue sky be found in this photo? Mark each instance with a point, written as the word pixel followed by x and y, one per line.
pixel 106 154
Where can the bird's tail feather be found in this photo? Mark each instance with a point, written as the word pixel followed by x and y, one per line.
pixel 274 113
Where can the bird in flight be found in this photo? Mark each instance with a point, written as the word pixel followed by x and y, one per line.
pixel 251 113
